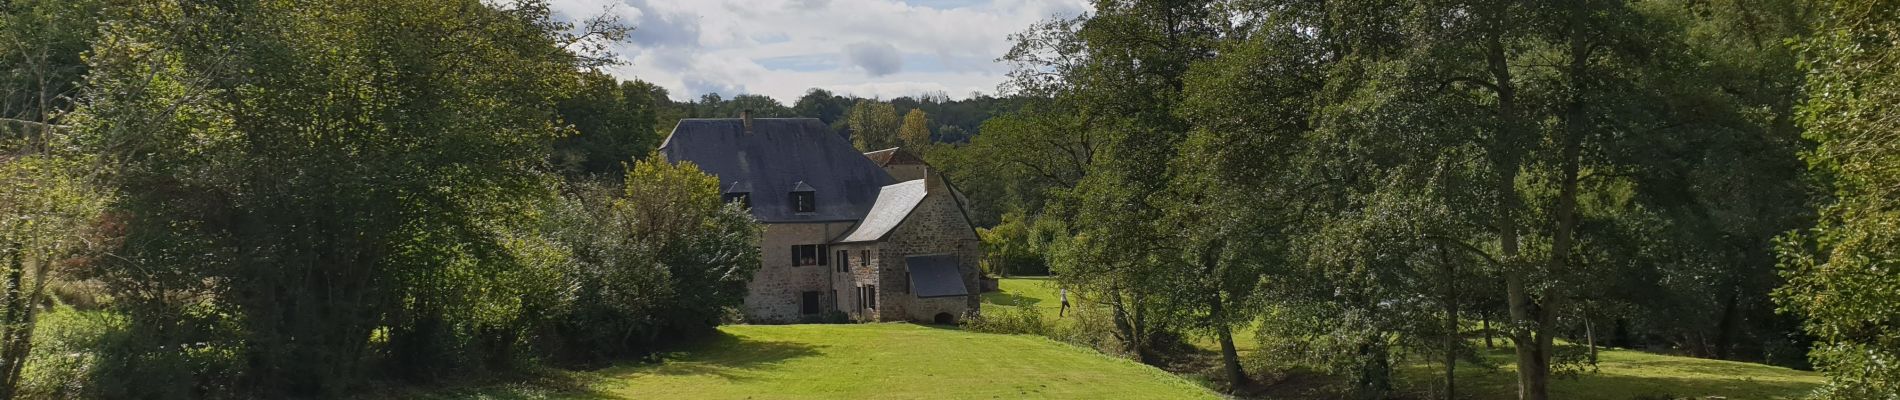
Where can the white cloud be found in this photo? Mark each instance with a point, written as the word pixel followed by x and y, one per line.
pixel 780 48
pixel 877 59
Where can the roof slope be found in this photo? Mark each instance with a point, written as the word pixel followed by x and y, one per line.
pixel 894 203
pixel 935 276
pixel 776 156
pixel 894 155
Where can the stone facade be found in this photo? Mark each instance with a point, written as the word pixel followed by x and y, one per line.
pixel 776 292
pixel 936 226
pixel 863 214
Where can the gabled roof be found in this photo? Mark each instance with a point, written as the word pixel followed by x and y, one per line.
pixel 894 204
pixel 774 158
pixel 935 276
pixel 894 155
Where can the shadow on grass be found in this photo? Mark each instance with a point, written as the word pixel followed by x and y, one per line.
pixel 723 355
pixel 1625 386
pixel 539 385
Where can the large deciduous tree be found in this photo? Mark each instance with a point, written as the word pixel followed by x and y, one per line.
pixel 301 180
pixel 613 122
pixel 915 133
pixel 1842 275
pixel 874 125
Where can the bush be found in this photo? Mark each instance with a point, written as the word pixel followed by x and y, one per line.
pixel 660 259
pixel 1009 320
pixel 65 353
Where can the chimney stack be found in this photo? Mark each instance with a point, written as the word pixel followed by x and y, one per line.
pixel 745 117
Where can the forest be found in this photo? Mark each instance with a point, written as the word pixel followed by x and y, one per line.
pixel 282 198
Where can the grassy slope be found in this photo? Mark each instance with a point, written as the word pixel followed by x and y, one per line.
pixel 900 361
pixel 1622 374
pixel 1626 374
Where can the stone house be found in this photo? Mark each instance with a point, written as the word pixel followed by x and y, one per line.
pixel 873 236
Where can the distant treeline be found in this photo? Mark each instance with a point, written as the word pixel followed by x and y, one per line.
pixel 616 120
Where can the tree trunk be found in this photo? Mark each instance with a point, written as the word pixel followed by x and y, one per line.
pixel 1375 370
pixel 1590 336
pixel 1217 314
pixel 18 334
pixel 8 359
pixel 1451 325
pixel 1725 329
pixel 1485 318
pixel 1230 357
pixel 1532 373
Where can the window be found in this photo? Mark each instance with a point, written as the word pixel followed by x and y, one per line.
pixel 844 261
pixel 870 296
pixel 808 254
pixel 744 199
pixel 804 201
pixel 864 258
pixel 810 305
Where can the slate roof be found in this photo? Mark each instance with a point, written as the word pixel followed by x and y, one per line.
pixel 892 155
pixel 894 203
pixel 778 155
pixel 935 276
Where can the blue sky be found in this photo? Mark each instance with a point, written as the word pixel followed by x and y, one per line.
pixel 780 48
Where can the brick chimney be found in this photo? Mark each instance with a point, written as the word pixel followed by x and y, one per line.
pixel 933 182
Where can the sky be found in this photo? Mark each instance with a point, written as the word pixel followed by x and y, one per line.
pixel 781 48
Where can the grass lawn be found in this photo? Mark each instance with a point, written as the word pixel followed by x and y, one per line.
pixel 1628 374
pixel 869 361
pixel 1621 375
pixel 1042 293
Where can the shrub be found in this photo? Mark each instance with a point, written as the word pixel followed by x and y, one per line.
pixel 661 259
pixel 1010 320
pixel 65 352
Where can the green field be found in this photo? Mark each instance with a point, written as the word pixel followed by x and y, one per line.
pixel 1621 375
pixel 866 361
pixel 904 361
pixel 1628 374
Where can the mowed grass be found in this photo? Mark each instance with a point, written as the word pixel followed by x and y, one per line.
pixel 1042 293
pixel 870 361
pixel 1630 374
pixel 1621 374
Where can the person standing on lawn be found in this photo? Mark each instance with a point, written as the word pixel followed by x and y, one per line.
pixel 1065 302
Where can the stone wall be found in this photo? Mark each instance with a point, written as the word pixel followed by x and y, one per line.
pixel 936 226
pixel 864 271
pixel 775 291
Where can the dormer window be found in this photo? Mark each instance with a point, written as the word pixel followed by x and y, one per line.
pixel 738 192
pixel 804 199
pixel 744 199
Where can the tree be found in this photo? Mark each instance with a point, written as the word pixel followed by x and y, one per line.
pixel 40 66
pixel 1119 73
pixel 613 122
pixel 662 258
pixel 1841 275
pixel 874 125
pixel 48 213
pixel 823 105
pixel 915 132
pixel 326 171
